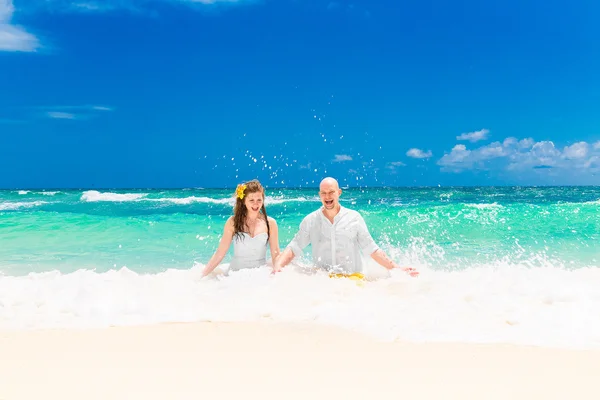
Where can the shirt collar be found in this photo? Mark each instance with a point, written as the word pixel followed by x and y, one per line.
pixel 343 210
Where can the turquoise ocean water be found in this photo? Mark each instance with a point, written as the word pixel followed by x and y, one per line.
pixel 517 265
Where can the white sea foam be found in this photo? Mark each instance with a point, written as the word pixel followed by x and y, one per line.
pixel 94 195
pixel 490 303
pixel 192 199
pixel 281 200
pixel 483 206
pixel 227 200
pixel 24 192
pixel 17 205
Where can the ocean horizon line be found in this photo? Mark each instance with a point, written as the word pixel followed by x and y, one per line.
pixel 345 187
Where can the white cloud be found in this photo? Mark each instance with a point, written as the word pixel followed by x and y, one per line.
pixel 102 108
pixel 577 150
pixel 86 108
pixel 526 143
pixel 397 164
pixel 90 6
pixel 60 115
pixel 459 158
pixel 14 37
pixel 593 163
pixel 130 5
pixel 394 165
pixel 541 155
pixel 522 155
pixel 418 153
pixel 521 144
pixel 474 136
pixel 6 10
pixel 74 112
pixel 342 158
pixel 597 145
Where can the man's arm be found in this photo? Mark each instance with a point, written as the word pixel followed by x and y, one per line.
pixel 366 242
pixel 283 259
pixel 382 259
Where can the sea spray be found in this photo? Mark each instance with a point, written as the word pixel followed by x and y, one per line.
pixel 514 265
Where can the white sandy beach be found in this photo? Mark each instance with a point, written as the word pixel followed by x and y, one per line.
pixel 279 361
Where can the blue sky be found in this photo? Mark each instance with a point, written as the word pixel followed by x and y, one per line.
pixel 176 93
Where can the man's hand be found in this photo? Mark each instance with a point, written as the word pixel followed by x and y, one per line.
pixel 282 260
pixel 411 271
pixel 382 259
pixel 276 269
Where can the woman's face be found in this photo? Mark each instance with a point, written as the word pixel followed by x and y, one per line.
pixel 253 202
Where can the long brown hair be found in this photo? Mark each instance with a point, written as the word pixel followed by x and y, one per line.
pixel 240 211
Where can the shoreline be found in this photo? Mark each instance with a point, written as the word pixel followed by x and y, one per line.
pixel 279 360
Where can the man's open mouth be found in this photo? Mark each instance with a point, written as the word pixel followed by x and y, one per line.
pixel 328 202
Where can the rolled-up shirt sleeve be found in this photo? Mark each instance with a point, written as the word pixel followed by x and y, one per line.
pixel 302 238
pixel 365 240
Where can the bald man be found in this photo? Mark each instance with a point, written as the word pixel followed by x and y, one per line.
pixel 337 234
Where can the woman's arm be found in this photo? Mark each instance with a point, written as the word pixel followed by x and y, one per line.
pixel 222 249
pixel 274 239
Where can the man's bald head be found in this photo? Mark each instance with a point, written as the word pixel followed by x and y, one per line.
pixel 329 182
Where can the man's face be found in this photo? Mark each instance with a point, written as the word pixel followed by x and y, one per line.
pixel 329 194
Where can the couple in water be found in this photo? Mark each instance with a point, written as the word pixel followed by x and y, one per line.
pixel 336 233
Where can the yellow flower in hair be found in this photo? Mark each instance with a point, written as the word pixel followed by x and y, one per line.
pixel 240 191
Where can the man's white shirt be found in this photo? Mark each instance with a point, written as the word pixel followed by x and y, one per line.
pixel 335 246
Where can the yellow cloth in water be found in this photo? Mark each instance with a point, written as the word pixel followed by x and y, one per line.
pixel 357 276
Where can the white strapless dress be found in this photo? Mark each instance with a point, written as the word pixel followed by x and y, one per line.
pixel 249 252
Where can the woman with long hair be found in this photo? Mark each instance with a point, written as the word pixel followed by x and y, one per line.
pixel 250 229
